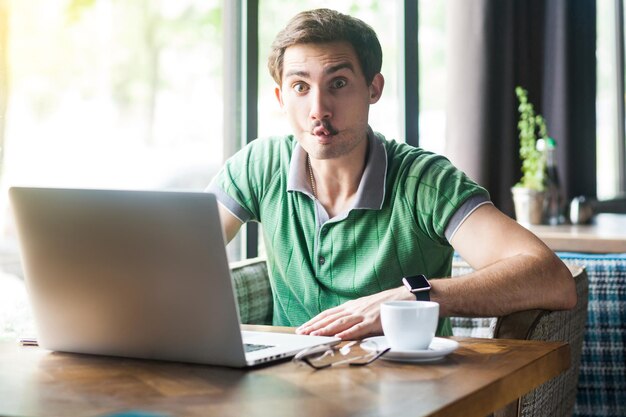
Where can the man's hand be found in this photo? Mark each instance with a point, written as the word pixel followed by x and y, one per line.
pixel 354 319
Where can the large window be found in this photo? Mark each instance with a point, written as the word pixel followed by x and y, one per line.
pixel 104 94
pixel 610 100
pixel 111 94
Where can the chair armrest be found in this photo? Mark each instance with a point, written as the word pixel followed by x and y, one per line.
pixel 518 325
pixel 546 324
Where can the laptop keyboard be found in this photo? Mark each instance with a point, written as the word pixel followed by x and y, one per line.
pixel 251 347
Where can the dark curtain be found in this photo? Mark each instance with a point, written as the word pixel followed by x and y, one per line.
pixel 548 47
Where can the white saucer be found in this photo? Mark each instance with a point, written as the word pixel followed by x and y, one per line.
pixel 438 349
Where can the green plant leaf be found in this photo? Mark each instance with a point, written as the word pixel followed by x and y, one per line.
pixel 530 126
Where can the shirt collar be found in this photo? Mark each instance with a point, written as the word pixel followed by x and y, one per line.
pixel 371 191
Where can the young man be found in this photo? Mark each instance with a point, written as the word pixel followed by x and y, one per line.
pixel 347 214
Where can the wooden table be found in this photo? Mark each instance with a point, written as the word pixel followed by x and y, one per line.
pixel 482 376
pixel 607 234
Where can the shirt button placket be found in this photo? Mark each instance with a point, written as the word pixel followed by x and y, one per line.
pixel 321 260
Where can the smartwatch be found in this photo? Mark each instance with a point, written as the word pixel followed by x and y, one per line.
pixel 419 286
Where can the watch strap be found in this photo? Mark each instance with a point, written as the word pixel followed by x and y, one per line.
pixel 422 295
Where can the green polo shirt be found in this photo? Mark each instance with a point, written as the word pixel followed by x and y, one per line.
pixel 408 205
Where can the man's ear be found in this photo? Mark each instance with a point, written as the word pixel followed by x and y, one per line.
pixel 376 88
pixel 279 96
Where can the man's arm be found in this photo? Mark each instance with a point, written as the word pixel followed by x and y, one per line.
pixel 230 223
pixel 514 271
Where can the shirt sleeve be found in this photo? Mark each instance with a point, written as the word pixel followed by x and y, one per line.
pixel 442 196
pixel 235 185
pixel 249 175
pixel 463 212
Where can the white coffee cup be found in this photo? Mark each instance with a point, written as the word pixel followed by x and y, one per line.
pixel 409 325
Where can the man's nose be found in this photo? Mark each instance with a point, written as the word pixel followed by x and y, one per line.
pixel 320 105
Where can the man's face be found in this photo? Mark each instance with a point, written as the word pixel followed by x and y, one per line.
pixel 326 97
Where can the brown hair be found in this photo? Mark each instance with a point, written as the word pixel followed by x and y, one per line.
pixel 323 26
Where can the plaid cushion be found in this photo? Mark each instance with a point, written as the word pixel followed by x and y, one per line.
pixel 254 295
pixel 602 381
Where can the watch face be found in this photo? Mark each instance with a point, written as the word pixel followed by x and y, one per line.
pixel 417 283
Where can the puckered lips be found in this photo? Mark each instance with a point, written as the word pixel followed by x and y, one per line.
pixel 323 130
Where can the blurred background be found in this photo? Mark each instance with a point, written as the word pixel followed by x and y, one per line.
pixel 135 94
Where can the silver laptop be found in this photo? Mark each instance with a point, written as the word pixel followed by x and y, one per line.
pixel 140 274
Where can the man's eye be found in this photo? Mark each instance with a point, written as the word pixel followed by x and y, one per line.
pixel 300 87
pixel 339 83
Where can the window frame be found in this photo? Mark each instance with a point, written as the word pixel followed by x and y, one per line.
pixel 621 97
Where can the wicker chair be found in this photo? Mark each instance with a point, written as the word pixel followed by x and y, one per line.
pixel 554 398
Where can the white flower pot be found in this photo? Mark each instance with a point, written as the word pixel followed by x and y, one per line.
pixel 528 205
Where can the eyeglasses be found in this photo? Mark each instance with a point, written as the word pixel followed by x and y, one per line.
pixel 326 356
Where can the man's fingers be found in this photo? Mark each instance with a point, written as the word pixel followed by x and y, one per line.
pixel 321 320
pixel 324 314
pixel 357 331
pixel 337 326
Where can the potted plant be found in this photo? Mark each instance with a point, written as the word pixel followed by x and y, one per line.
pixel 528 193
